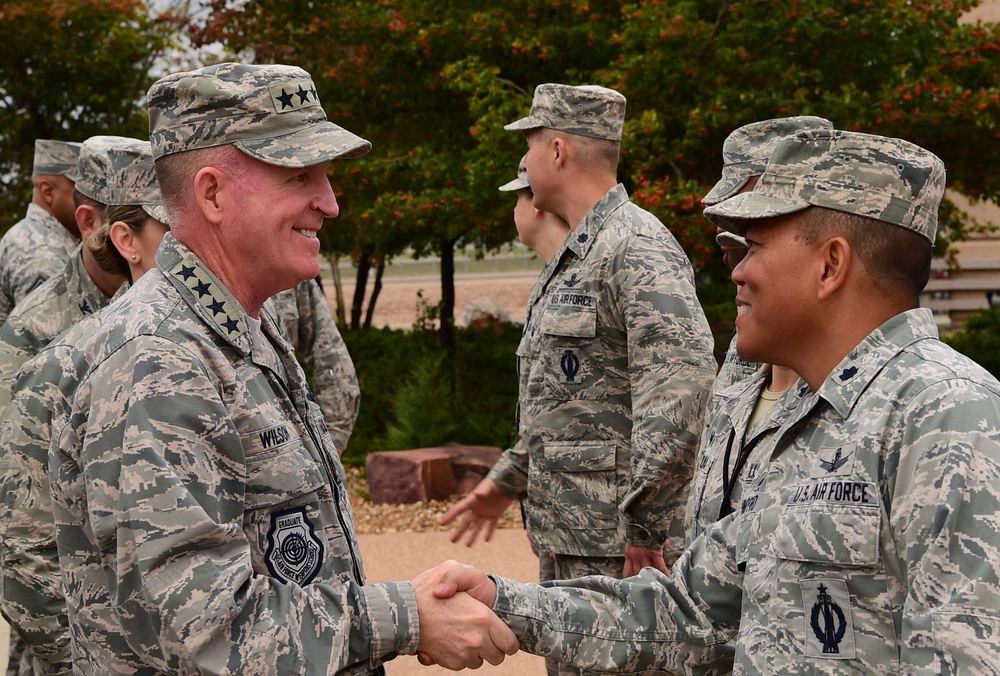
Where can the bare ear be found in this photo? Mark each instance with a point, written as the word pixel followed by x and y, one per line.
pixel 46 191
pixel 560 150
pixel 123 239
pixel 86 220
pixel 837 260
pixel 208 186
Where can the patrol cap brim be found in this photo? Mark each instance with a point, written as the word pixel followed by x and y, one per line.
pixel 725 188
pixel 524 124
pixel 730 240
pixel 732 214
pixel 516 184
pixel 157 211
pixel 305 147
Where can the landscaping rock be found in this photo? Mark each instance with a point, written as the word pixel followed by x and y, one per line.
pixel 425 474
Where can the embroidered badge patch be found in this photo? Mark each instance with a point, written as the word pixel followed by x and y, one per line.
pixel 836 461
pixel 861 493
pixel 294 552
pixel 829 629
pixel 570 365
pixel 572 299
pixel 288 97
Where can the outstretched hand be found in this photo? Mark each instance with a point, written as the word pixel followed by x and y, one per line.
pixel 637 558
pixel 482 507
pixel 456 630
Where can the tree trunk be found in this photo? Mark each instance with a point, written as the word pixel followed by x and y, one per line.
pixel 361 285
pixel 338 289
pixel 447 313
pixel 379 271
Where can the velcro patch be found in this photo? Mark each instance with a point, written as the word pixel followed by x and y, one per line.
pixel 829 628
pixel 863 493
pixel 292 96
pixel 570 299
pixel 294 551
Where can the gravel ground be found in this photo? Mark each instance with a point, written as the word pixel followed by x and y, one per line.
pixel 397 308
pixel 372 519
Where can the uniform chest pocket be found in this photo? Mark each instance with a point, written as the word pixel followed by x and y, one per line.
pixel 570 356
pixel 279 467
pixel 834 522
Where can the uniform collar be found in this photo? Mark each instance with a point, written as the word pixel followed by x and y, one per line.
pixel 846 383
pixel 582 237
pixel 204 292
pixel 87 298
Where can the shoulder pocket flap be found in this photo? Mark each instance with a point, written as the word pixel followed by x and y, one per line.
pixel 570 322
pixel 579 457
pixel 835 535
pixel 281 474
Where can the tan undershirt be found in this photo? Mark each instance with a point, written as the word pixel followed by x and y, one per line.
pixel 765 402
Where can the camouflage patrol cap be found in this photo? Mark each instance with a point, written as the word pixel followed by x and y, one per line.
pixel 589 110
pixel 745 151
pixel 56 158
pixel 132 179
pixel 270 112
pixel 887 179
pixel 519 183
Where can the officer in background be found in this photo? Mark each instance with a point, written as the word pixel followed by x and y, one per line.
pixel 112 170
pixel 308 325
pixel 221 538
pixel 747 399
pixel 868 544
pixel 81 287
pixel 615 362
pixel 36 247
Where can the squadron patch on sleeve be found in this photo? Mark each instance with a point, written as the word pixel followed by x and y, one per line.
pixel 294 552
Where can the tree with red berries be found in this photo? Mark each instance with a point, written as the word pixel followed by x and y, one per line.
pixel 431 85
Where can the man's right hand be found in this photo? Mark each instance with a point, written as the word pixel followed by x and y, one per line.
pixel 456 632
pixel 472 581
pixel 483 506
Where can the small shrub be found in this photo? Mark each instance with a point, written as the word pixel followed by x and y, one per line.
pixel 980 340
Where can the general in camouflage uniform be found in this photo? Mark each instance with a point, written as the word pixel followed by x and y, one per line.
pixel 202 519
pixel 868 543
pixel 307 324
pixel 37 247
pixel 111 169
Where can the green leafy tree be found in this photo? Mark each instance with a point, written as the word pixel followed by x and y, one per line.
pixel 429 87
pixel 433 85
pixel 70 69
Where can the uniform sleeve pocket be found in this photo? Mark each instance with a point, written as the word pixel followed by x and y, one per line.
pixel 580 456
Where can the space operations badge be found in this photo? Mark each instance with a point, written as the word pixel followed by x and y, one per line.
pixel 294 552
pixel 829 629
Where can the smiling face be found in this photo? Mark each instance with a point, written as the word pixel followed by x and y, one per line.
pixel 776 299
pixel 272 234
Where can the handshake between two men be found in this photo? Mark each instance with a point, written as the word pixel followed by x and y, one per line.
pixel 456 631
